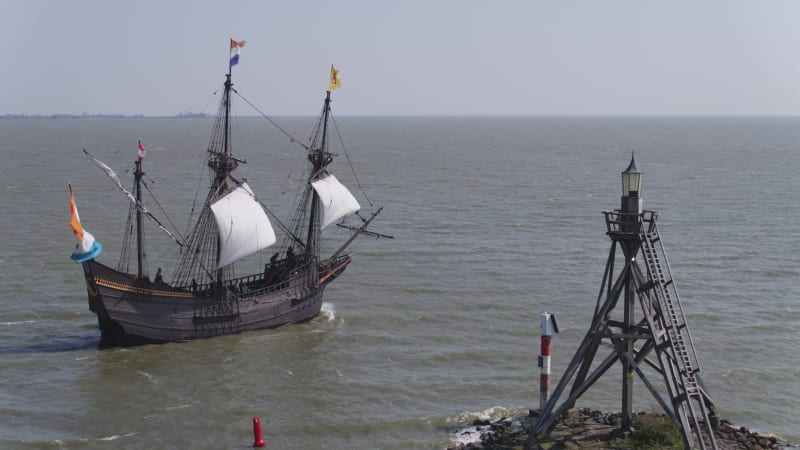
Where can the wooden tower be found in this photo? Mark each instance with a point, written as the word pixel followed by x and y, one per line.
pixel 655 335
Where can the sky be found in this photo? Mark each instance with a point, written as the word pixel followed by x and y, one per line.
pixel 410 57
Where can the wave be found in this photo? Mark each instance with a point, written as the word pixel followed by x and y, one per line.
pixel 54 344
pixel 20 322
pixel 328 312
pixel 66 443
pixel 113 437
pixel 491 413
pixel 461 435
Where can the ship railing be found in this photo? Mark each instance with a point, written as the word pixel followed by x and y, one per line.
pixel 256 284
pixel 332 263
pixel 259 284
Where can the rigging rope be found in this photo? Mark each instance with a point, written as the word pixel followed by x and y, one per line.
pixel 196 199
pixel 292 139
pixel 269 211
pixel 347 157
pixel 169 219
pixel 191 107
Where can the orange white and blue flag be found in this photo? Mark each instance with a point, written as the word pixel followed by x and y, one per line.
pixel 235 48
pixel 141 151
pixel 87 248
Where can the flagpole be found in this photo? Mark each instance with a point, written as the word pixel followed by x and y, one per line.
pixel 230 50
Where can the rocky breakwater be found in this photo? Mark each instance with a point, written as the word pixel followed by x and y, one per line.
pixel 586 428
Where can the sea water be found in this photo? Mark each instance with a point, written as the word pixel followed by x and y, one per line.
pixel 495 219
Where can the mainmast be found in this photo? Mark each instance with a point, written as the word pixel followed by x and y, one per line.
pixel 221 159
pixel 201 261
pixel 227 97
pixel 223 162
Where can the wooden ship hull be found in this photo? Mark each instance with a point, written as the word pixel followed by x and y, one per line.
pixel 133 311
pixel 206 294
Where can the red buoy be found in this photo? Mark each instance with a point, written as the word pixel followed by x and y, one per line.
pixel 258 440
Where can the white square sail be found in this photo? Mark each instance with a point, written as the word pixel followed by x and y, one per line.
pixel 336 200
pixel 243 225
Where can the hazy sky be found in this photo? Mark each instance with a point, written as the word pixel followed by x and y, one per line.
pixel 162 57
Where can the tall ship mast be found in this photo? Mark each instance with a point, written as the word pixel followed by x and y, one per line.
pixel 202 294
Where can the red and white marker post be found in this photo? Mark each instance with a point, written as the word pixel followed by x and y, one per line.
pixel 547 327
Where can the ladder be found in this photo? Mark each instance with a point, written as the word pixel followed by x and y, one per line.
pixel 674 346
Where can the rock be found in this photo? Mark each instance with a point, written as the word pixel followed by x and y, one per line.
pixel 585 428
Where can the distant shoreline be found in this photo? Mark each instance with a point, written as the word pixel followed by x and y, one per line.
pixel 99 116
pixel 422 116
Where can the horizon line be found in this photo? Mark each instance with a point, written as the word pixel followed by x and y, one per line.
pixel 443 115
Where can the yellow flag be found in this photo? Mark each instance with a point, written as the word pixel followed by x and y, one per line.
pixel 336 82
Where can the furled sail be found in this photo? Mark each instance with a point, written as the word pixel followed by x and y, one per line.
pixel 336 200
pixel 243 225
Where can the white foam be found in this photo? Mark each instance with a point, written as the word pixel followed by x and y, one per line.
pixel 21 322
pixel 115 437
pixel 184 406
pixel 466 436
pixel 486 414
pixel 328 312
pixel 471 434
pixel 150 377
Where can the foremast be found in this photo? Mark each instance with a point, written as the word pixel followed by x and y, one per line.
pixel 319 157
pixel 329 199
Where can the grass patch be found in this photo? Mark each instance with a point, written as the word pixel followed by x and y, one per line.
pixel 655 432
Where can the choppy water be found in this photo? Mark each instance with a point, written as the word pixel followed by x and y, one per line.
pixel 496 219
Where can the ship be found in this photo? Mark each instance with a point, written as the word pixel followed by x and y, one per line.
pixel 203 294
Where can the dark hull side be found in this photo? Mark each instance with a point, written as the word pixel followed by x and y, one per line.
pixel 133 311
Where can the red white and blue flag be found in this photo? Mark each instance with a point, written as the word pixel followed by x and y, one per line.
pixel 235 48
pixel 141 151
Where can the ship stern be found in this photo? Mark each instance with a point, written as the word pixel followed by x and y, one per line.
pixel 111 332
